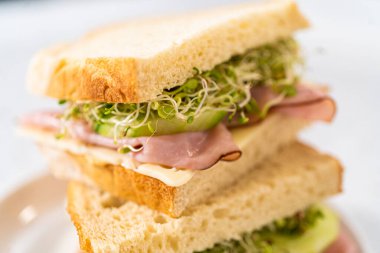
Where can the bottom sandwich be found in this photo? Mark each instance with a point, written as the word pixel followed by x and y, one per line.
pixel 276 200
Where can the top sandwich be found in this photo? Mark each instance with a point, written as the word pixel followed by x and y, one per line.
pixel 167 92
pixel 136 61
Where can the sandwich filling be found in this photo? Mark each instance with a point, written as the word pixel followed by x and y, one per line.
pixel 203 100
pixel 312 230
pixel 186 127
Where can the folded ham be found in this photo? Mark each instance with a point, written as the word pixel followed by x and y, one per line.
pixel 193 150
pixel 310 103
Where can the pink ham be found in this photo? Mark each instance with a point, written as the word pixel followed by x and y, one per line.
pixel 345 243
pixel 193 150
pixel 310 103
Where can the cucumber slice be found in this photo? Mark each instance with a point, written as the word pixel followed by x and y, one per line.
pixel 160 126
pixel 314 240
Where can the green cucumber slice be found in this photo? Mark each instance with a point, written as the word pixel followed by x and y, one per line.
pixel 159 126
pixel 315 240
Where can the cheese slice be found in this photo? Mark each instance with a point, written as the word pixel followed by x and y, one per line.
pixel 170 176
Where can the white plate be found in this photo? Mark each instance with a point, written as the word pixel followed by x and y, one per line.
pixel 33 219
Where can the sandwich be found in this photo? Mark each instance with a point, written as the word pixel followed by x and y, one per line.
pixel 178 134
pixel 273 208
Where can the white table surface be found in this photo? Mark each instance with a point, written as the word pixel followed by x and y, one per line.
pixel 342 49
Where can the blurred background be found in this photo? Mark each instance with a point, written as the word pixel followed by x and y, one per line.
pixel 342 49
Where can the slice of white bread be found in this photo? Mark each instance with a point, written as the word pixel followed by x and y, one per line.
pixel 135 61
pixel 256 142
pixel 285 183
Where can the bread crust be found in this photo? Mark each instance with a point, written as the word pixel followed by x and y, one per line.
pixel 98 79
pixel 129 185
pixel 84 241
pixel 135 61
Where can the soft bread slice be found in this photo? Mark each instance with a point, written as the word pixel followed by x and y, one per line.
pixel 287 182
pixel 256 142
pixel 135 61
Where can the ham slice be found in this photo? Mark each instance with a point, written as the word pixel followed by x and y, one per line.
pixel 309 103
pixel 345 243
pixel 192 150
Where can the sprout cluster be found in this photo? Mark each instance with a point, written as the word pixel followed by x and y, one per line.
pixel 225 88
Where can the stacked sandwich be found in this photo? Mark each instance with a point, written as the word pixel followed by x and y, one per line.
pixel 178 134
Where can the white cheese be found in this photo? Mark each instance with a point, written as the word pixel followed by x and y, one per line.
pixel 169 176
